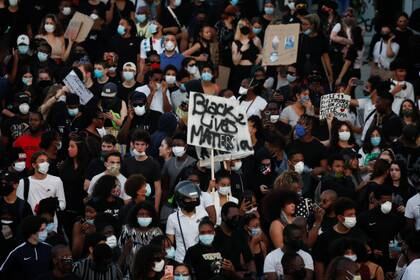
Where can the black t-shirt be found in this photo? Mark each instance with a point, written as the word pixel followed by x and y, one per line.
pixel 149 168
pixel 203 259
pixel 86 8
pixel 118 14
pixel 313 151
pixel 73 180
pixel 126 48
pixel 343 186
pixel 95 167
pixel 104 206
pixel 309 54
pixel 402 38
pixel 182 13
pixel 233 247
pixel 124 93
pixel 327 242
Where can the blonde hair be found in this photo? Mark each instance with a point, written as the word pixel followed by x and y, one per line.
pixel 238 34
pixel 286 180
pixel 315 21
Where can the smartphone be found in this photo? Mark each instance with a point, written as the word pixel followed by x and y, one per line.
pixel 169 270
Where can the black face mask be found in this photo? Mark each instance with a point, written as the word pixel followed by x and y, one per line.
pixel 245 30
pixel 44 84
pixel 295 245
pixel 385 36
pixel 190 206
pixel 233 223
pixel 366 92
pixel 299 274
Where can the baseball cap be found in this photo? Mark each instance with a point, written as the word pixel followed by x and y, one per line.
pixel 72 99
pixel 138 98
pixel 109 90
pixel 22 40
pixel 22 97
pixel 130 65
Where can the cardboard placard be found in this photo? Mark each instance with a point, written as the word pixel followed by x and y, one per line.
pixel 79 27
pixel 223 79
pixel 204 156
pixel 335 103
pixel 76 86
pixel 281 44
pixel 218 123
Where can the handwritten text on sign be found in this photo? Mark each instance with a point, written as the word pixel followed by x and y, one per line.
pixel 218 123
pixel 76 86
pixel 336 103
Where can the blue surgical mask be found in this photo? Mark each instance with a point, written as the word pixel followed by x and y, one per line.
pixel 234 2
pixel 206 239
pixel 206 76
pixel 290 78
pixel 128 75
pixel 256 30
pixel 42 56
pixel 27 81
pixel 141 18
pixel 303 99
pixel 121 30
pixel 300 130
pixel 269 10
pixel 170 252
pixel 182 87
pixel 307 31
pixel 98 73
pixel 148 190
pixel 153 28
pixel 23 49
pixel 255 231
pixel 42 236
pixel 375 141
pixel 50 227
pixel 182 277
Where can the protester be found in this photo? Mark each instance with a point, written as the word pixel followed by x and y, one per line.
pixel 311 127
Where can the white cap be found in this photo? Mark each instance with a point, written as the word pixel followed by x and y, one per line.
pixel 22 40
pixel 130 65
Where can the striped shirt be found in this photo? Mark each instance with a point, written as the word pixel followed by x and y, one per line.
pixel 85 269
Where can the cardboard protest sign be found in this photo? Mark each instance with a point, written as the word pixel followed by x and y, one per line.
pixel 223 78
pixel 79 27
pixel 281 44
pixel 336 103
pixel 76 86
pixel 218 123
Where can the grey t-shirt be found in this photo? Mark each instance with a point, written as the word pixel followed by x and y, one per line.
pixel 173 167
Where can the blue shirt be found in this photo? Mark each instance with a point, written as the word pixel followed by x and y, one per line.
pixel 176 60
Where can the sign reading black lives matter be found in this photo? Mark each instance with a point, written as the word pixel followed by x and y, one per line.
pixel 218 123
pixel 336 103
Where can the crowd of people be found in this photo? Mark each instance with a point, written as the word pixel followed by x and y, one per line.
pixel 108 187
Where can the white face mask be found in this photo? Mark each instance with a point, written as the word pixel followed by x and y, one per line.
pixel 19 166
pixel 140 110
pixel 49 27
pixel 24 108
pixel 66 11
pixel 138 154
pixel 224 190
pixel 299 167
pixel 243 91
pixel 290 78
pixel 170 79
pixel 344 135
pixel 13 3
pixel 237 165
pixel 351 257
pixel 158 267
pixel 169 46
pixel 349 222
pixel 192 69
pixel 178 151
pixel 386 207
pixel 111 241
pixel 94 16
pixel 274 118
pixel 43 167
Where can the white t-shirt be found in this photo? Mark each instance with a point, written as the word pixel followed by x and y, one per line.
pixel 399 97
pixel 216 201
pixel 121 179
pixel 290 115
pixel 413 271
pixel 51 186
pixel 157 101
pixel 145 46
pixel 272 262
pixel 254 107
pixel 412 210
pixel 379 54
pixel 190 231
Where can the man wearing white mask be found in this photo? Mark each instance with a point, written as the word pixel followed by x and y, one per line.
pixel 176 164
pixel 170 55
pixel 382 224
pixel 345 209
pixel 41 185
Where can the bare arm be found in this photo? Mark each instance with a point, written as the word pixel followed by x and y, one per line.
pixel 343 71
pixel 389 52
pixel 276 234
pixel 236 55
pixel 319 270
pixel 158 194
pixel 327 62
pixel 340 40
pixel 211 211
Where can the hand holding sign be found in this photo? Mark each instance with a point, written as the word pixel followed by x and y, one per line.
pixel 334 103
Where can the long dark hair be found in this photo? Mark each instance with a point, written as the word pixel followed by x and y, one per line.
pixel 58 27
pixel 405 186
pixel 132 218
pixel 82 157
pixel 367 145
pixel 357 37
pixel 144 260
pixel 334 133
pixel 103 187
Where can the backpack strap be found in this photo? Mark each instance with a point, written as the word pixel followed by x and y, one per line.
pixel 26 186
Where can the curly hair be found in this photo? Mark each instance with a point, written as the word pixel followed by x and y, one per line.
pixel 132 218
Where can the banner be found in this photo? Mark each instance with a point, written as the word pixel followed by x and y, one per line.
pixel 79 27
pixel 218 123
pixel 76 86
pixel 281 44
pixel 335 103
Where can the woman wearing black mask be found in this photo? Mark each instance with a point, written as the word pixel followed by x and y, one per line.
pixel 246 52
